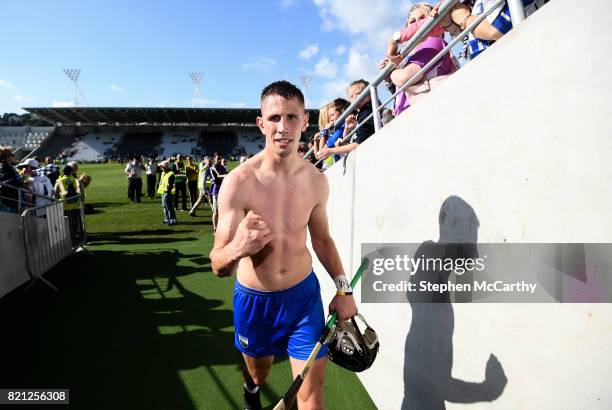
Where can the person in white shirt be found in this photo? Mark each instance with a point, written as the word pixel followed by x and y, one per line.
pixel 134 173
pixel 39 184
pixel 151 170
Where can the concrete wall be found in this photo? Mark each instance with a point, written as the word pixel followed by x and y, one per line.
pixel 13 272
pixel 523 134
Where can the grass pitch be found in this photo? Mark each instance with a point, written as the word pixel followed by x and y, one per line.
pixel 140 322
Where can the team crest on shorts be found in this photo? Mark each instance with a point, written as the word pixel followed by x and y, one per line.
pixel 244 342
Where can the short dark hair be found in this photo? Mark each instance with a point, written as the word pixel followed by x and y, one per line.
pixel 67 170
pixel 339 104
pixel 283 89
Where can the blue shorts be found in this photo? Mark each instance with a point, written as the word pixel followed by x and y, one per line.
pixel 290 321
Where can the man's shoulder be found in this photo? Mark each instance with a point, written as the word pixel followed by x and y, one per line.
pixel 239 175
pixel 312 173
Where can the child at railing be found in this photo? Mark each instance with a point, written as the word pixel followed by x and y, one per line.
pixel 344 146
pixel 422 54
pixel 493 27
pixel 331 134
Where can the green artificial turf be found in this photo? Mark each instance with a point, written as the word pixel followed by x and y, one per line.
pixel 139 321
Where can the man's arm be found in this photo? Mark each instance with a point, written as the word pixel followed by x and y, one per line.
pixel 326 251
pixel 237 235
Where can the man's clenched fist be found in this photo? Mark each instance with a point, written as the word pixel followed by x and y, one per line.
pixel 252 235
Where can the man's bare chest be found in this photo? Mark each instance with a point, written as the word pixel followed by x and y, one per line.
pixel 284 206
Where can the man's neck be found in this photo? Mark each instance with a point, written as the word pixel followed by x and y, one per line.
pixel 279 164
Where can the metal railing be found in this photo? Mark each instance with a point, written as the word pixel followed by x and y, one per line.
pixel 517 14
pixel 20 203
pixel 51 232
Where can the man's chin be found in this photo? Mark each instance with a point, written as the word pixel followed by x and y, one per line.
pixel 286 153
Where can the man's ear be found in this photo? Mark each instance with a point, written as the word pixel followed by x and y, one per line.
pixel 260 124
pixel 305 125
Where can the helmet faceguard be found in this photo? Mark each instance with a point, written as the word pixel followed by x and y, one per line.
pixel 352 349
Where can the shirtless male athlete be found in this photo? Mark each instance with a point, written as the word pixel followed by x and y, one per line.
pixel 265 206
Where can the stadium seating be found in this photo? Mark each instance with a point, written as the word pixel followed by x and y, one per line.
pixel 93 146
pixel 250 142
pixel 59 144
pixel 139 143
pixel 224 142
pixel 178 142
pixel 25 138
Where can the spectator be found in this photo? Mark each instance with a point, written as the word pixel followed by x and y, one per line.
pixel 218 172
pixel 302 149
pixel 9 197
pixel 83 180
pixel 421 55
pixel 26 195
pixel 134 174
pixel 166 190
pixel 180 182
pixel 39 185
pixel 51 171
pixel 494 26
pixel 69 191
pixel 191 170
pixel 203 175
pixel 151 170
pixel 363 133
pixel 331 134
pixel 387 117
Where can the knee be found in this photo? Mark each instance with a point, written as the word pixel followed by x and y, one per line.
pixel 260 377
pixel 311 398
pixel 311 402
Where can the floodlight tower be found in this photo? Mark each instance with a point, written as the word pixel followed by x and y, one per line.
pixel 305 80
pixel 196 77
pixel 73 75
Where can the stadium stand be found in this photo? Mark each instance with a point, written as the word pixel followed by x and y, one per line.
pixel 59 144
pixel 139 143
pixel 250 142
pixel 223 142
pixel 25 139
pixel 79 132
pixel 94 146
pixel 178 142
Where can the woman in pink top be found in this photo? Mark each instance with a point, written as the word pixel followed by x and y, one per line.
pixel 422 54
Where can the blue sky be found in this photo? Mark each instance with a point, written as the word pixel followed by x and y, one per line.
pixel 138 53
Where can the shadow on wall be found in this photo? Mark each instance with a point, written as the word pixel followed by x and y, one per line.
pixel 428 359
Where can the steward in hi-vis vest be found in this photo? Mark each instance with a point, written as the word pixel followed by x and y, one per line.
pixel 69 189
pixel 166 186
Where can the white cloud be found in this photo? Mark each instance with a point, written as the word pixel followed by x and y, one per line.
pixel 371 21
pixel 333 89
pixel 359 65
pixel 23 98
pixel 326 68
pixel 309 52
pixel 203 102
pixel 285 4
pixel 260 63
pixel 62 104
pixel 116 89
pixel 368 25
pixel 6 84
